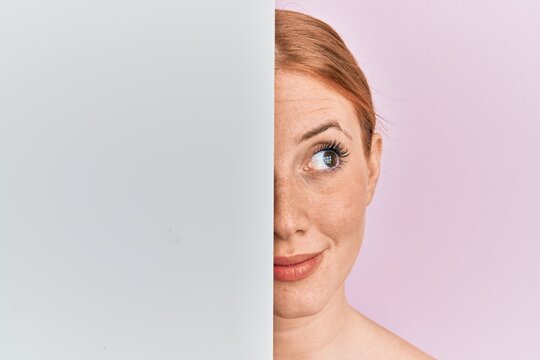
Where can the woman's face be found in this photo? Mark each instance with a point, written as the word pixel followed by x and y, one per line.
pixel 322 184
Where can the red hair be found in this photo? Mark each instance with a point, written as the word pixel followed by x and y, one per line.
pixel 311 47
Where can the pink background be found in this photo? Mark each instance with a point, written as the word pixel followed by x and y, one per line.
pixel 451 256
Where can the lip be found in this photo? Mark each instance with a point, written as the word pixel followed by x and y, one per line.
pixel 297 267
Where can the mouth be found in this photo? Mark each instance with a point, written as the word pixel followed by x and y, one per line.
pixel 297 267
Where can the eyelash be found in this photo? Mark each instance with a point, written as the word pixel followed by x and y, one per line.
pixel 336 147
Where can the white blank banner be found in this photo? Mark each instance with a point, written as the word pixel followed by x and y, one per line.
pixel 136 167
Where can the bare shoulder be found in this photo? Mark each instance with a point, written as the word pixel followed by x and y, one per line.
pixel 383 344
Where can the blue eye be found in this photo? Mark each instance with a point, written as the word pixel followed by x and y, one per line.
pixel 328 157
pixel 324 160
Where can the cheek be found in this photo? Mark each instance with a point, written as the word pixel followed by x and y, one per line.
pixel 340 208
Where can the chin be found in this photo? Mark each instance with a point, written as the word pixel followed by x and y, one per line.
pixel 309 296
pixel 295 301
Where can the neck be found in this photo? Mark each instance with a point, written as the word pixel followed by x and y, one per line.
pixel 312 336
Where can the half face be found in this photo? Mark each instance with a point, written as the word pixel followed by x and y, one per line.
pixel 322 185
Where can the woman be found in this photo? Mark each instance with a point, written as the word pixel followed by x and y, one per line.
pixel 327 158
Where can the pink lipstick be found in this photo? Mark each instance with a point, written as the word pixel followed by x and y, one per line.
pixel 297 267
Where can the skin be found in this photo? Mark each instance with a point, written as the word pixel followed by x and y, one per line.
pixel 315 210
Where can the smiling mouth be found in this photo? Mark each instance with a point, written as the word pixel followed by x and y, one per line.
pixel 297 267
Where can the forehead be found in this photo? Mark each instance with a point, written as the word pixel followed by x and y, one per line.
pixel 302 102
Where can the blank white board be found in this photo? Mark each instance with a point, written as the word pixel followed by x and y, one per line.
pixel 136 179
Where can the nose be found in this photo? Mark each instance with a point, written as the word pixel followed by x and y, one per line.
pixel 290 207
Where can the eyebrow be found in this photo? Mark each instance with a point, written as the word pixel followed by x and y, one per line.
pixel 322 128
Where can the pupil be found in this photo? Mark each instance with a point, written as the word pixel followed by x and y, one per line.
pixel 329 158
